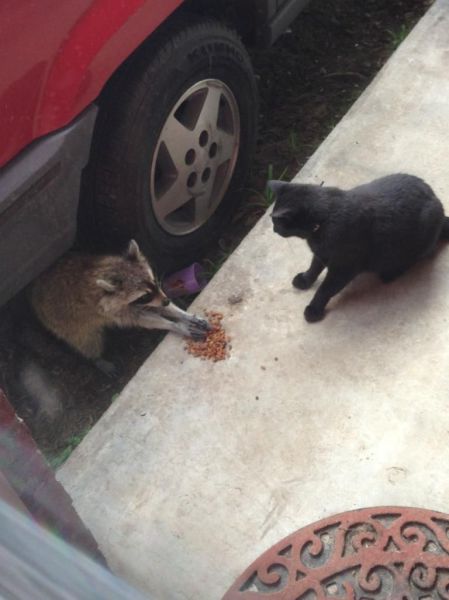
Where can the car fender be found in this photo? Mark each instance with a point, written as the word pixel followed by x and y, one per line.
pixel 99 42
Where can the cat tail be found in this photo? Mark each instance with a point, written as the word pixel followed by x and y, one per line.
pixel 445 231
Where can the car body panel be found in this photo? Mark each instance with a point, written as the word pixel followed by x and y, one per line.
pixel 57 57
pixel 39 193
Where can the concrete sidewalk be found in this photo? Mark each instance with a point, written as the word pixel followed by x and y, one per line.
pixel 198 467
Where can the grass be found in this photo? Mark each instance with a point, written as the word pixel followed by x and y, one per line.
pixel 294 144
pixel 265 198
pixel 213 266
pixel 397 37
pixel 71 443
pixel 263 202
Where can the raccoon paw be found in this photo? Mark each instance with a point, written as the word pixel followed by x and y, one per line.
pixel 313 314
pixel 301 282
pixel 202 323
pixel 106 367
pixel 197 331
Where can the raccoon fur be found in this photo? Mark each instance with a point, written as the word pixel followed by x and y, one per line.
pixel 82 295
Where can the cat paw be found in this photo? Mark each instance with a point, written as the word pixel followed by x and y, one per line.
pixel 312 314
pixel 301 282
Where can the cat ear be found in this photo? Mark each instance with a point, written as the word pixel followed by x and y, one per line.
pixel 276 186
pixel 281 211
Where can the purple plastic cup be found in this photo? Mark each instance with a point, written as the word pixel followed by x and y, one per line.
pixel 186 282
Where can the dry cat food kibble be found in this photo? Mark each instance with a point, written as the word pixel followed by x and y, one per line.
pixel 216 345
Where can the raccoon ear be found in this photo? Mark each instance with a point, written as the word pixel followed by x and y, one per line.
pixel 133 251
pixel 105 285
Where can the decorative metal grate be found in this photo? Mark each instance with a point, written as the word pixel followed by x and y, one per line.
pixel 366 554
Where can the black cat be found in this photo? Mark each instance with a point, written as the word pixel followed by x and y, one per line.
pixel 384 227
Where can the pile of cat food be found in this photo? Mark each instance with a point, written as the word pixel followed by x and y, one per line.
pixel 216 345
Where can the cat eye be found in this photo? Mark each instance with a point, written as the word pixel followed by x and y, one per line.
pixel 145 299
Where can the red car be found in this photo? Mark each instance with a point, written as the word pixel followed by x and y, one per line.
pixel 131 118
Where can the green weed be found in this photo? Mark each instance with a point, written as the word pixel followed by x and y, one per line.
pixel 397 37
pixel 265 198
pixel 72 442
pixel 213 266
pixel 293 142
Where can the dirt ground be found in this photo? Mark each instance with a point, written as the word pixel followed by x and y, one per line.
pixel 308 80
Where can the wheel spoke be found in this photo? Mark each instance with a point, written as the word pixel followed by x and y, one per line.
pixel 204 201
pixel 173 198
pixel 177 139
pixel 209 113
pixel 201 208
pixel 227 147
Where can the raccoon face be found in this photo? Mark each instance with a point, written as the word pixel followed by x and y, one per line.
pixel 128 285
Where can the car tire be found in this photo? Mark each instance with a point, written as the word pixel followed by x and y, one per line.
pixel 146 138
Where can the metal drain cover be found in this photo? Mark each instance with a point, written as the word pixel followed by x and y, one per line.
pixel 367 554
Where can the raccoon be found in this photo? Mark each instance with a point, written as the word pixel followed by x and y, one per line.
pixel 82 295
